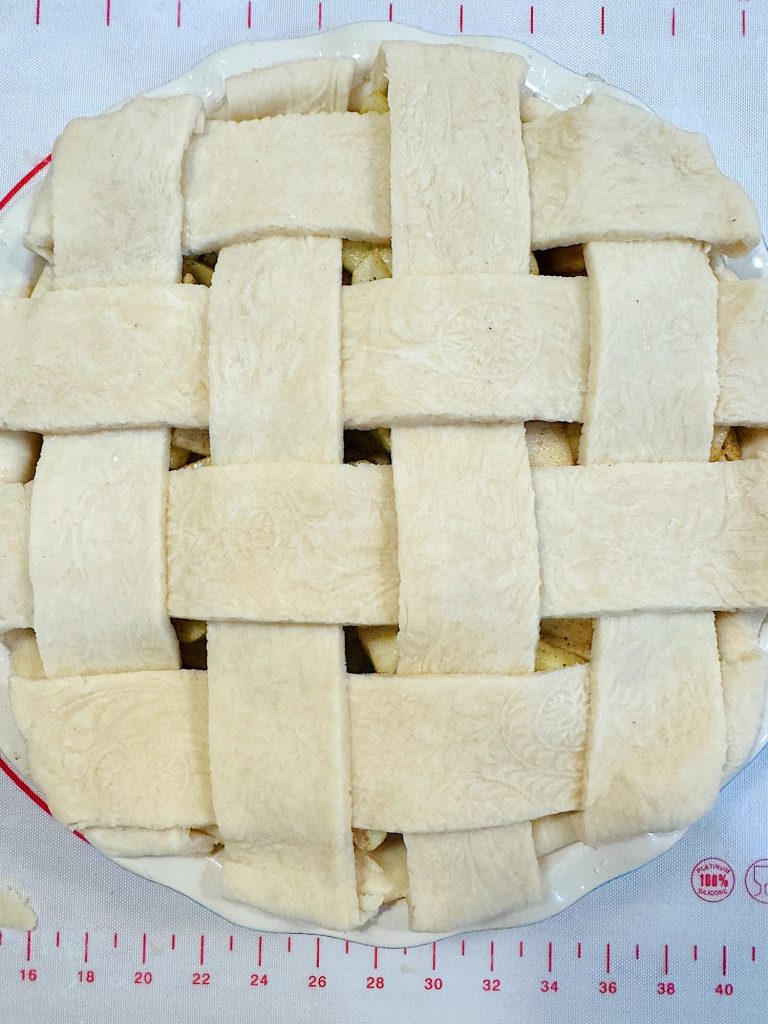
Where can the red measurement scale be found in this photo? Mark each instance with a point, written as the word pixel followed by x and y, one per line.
pixel 483 974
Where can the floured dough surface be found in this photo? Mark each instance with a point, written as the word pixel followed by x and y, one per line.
pixel 460 878
pixel 275 325
pixel 117 203
pixel 311 86
pixel 676 536
pixel 657 726
pixel 291 542
pixel 90 358
pixel 439 753
pixel 653 368
pixel 150 842
pixel 743 314
pixel 300 174
pixel 483 347
pixel 459 176
pixel 280 766
pixel 15 911
pixel 15 586
pixel 610 170
pixel 126 750
pixel 97 553
pixel 467 549
pixel 744 670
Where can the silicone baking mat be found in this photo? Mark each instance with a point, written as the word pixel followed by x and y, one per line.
pixel 646 947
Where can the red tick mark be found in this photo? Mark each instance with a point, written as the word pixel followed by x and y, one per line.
pixel 391 11
pixel 317 951
pixel 491 957
pixel 666 959
pixel 375 958
pixel 259 951
pixel 549 957
pixel 461 17
pixel 695 952
pixel 231 943
pixel 725 961
pixel 521 949
pixel 109 12
pixel 608 958
pixel 248 15
pixel 202 950
pixel 754 954
pixel 37 12
pixel 637 952
pixel 144 948
pixel 578 951
pixel 178 13
pixel 462 947
pixel 114 941
pixel 85 949
pixel 743 22
pixel 58 940
pixel 290 944
pixel 434 956
pixel 29 946
pixel 320 15
pixel 674 21
pixel 531 20
pixel 602 21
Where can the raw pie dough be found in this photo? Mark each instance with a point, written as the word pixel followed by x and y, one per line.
pixel 552 422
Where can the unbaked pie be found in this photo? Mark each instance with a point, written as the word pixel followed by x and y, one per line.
pixel 462 553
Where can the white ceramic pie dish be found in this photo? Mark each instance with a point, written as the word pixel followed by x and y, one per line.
pixel 568 873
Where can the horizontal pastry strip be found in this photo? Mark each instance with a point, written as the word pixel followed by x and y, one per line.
pixel 445 753
pixel 298 174
pixel 464 349
pixel 655 180
pixel 119 750
pixel 105 357
pixel 470 347
pixel 304 543
pixel 293 542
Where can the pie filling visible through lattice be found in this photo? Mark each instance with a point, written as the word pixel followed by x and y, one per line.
pixel 463 550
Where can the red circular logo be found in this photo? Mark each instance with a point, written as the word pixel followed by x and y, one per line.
pixel 756 880
pixel 713 880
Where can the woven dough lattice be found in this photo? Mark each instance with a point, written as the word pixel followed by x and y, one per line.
pixel 564 628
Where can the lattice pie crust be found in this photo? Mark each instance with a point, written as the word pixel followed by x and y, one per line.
pixel 501 722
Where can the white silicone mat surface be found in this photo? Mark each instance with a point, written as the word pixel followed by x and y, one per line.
pixel 68 882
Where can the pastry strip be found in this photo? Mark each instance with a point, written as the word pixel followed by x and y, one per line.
pixel 321 84
pixel 273 304
pixel 91 358
pixel 459 175
pixel 288 542
pixel 97 553
pixel 674 537
pixel 301 174
pixel 657 729
pixel 467 550
pixel 15 587
pixel 610 170
pixel 126 750
pixel 447 752
pixel 117 204
pixel 481 874
pixel 484 347
pixel 278 693
pixel 743 315
pixel 653 365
